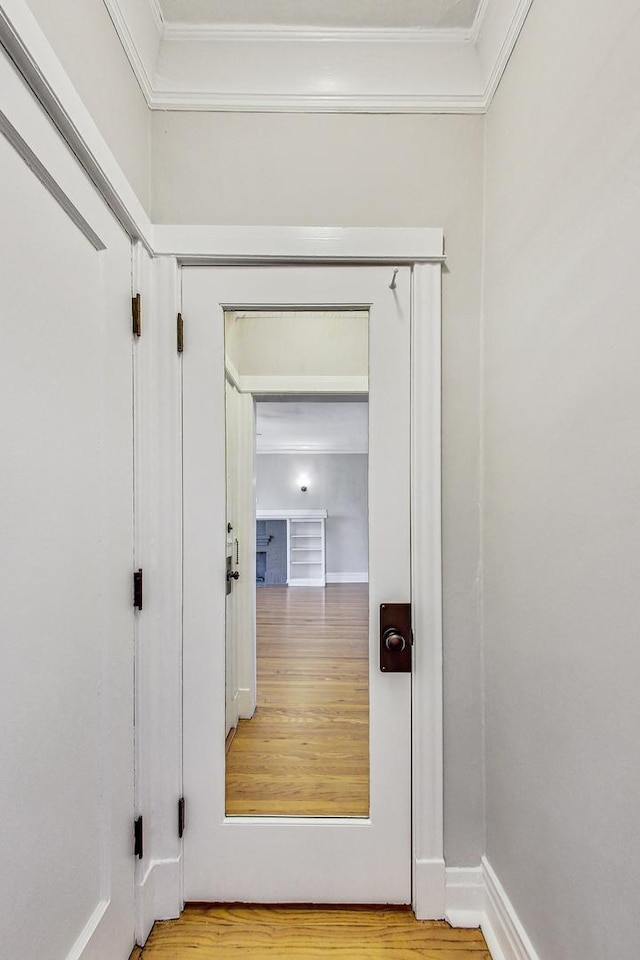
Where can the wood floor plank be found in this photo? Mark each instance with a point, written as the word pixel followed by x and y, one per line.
pixel 306 750
pixel 309 933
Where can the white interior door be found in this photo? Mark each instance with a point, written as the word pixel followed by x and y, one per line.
pixel 281 859
pixel 66 527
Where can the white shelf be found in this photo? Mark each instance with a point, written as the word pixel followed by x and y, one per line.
pixel 306 548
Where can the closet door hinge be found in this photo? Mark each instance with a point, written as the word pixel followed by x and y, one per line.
pixel 181 817
pixel 136 314
pixel 180 333
pixel 137 838
pixel 137 588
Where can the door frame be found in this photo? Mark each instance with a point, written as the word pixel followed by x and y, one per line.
pixel 422 250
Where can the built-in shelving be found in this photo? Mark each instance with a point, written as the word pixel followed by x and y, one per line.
pixel 305 545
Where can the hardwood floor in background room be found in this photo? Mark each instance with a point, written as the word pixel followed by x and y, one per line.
pixel 309 933
pixel 306 750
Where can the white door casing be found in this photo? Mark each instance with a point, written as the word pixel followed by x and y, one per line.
pixel 282 859
pixel 241 548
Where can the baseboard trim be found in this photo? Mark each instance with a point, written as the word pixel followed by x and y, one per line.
pixel 246 703
pixel 476 898
pixel 505 935
pixel 429 889
pixel 348 577
pixel 465 896
pixel 158 896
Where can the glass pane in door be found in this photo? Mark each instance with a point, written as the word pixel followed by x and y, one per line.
pixel 297 615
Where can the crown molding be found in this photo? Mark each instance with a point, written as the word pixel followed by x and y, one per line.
pixel 158 19
pixel 143 70
pixel 193 67
pixel 515 25
pixel 216 32
pixel 474 33
pixel 196 100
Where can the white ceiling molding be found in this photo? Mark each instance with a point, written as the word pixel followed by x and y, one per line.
pixel 265 68
pixel 156 13
pixel 208 32
pixel 141 41
pixel 474 33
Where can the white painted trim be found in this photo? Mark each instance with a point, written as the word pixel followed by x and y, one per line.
pixel 278 384
pixel 505 935
pixel 465 896
pixel 158 18
pixel 428 888
pixel 474 33
pixel 28 48
pixel 84 939
pixel 158 535
pixel 463 82
pixel 43 173
pixel 256 245
pixel 246 703
pixel 426 593
pixel 260 102
pixel 503 23
pixel 348 577
pixel 176 31
pixel 156 895
pixel 143 71
pixel 232 374
pixel 291 514
pixel 476 898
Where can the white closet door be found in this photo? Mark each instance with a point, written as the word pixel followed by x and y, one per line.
pixel 66 525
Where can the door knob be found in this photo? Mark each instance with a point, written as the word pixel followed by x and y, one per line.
pixel 396 637
pixel 233 575
pixel 393 640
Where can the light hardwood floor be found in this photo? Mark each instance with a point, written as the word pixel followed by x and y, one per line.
pixel 306 750
pixel 309 933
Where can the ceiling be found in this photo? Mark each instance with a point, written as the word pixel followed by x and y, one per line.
pixel 312 427
pixel 338 56
pixel 398 14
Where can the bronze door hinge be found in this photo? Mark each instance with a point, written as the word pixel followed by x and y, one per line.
pixel 137 838
pixel 180 333
pixel 136 313
pixel 137 588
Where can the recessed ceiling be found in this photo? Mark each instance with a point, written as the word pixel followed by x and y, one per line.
pixel 338 56
pixel 312 427
pixel 422 14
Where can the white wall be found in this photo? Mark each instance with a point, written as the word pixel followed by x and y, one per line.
pixel 88 47
pixel 338 483
pixel 562 461
pixel 373 171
